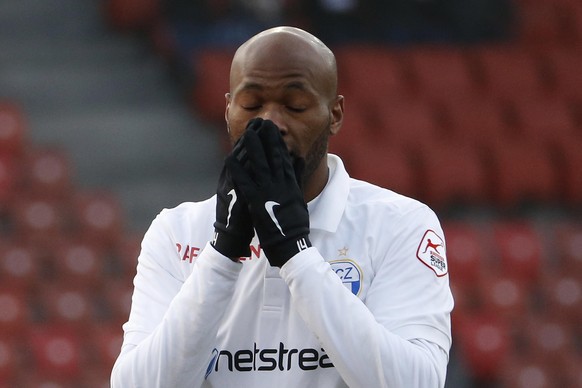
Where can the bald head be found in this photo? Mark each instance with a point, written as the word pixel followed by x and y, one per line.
pixel 282 49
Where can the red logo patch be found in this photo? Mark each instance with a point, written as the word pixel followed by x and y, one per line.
pixel 431 251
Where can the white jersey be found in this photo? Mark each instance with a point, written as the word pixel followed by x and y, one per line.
pixel 367 306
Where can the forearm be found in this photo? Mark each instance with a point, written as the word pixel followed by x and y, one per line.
pixel 177 352
pixel 363 351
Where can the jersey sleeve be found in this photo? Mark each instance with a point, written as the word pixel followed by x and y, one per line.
pixel 172 325
pixel 400 335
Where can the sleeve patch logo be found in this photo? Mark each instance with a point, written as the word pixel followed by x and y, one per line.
pixel 349 273
pixel 431 251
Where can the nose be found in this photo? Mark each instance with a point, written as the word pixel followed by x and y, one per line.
pixel 275 115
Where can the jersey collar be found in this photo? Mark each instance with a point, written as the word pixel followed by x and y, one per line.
pixel 326 210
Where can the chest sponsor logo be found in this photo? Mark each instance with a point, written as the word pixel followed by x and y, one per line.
pixel 279 358
pixel 431 252
pixel 350 274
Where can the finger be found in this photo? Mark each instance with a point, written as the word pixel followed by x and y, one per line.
pixel 274 146
pixel 258 165
pixel 241 178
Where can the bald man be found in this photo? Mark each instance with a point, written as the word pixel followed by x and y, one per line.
pixel 293 274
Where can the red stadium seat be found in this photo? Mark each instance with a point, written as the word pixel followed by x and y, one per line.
pixel 56 353
pixel 67 305
pixel 547 121
pixel 561 294
pixel 568 246
pixel 370 76
pixel 483 341
pixel 466 252
pixel 98 215
pixel 549 338
pixel 13 128
pixel 211 71
pixel 509 72
pixel 452 174
pixel 386 166
pixel 105 344
pixel 20 265
pixel 9 180
pixel 527 372
pixel 78 263
pixel 412 124
pixel 568 160
pixel 482 122
pixel 117 297
pixel 357 128
pixel 564 66
pixel 39 221
pixel 571 371
pixel 126 253
pixel 522 172
pixel 47 173
pixel 519 248
pixel 15 314
pixel 9 360
pixel 540 24
pixel 504 296
pixel 441 73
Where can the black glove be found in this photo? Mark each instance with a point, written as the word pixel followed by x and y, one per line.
pixel 263 172
pixel 233 228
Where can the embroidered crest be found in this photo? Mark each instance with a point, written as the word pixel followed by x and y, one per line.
pixel 350 274
pixel 431 251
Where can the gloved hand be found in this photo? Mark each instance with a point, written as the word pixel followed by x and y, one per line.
pixel 262 170
pixel 233 228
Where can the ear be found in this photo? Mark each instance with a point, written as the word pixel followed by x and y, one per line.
pixel 337 115
pixel 227 99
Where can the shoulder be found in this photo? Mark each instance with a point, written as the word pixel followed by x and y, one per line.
pixel 186 216
pixel 365 195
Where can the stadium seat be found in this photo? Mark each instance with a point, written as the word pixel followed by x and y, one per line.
pixel 47 173
pixel 510 72
pixel 564 66
pixel 9 180
pixel 549 338
pixel 561 295
pixel 520 250
pixel 441 73
pixel 9 360
pixel 504 296
pixel 211 72
pixel 117 299
pixel 125 255
pixel 526 372
pixel 78 263
pixel 20 265
pixel 466 252
pixel 571 371
pixel 386 166
pixel 483 341
pixel 480 121
pixel 39 221
pixel 371 76
pixel 105 345
pixel 56 353
pixel 411 124
pixel 540 25
pixel 13 128
pixel 99 218
pixel 568 247
pixel 452 175
pixel 522 172
pixel 357 128
pixel 15 314
pixel 568 160
pixel 66 305
pixel 547 121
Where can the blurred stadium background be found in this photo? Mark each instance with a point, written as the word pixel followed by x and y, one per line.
pixel 111 110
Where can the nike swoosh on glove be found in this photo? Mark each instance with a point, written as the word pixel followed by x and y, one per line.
pixel 233 228
pixel 262 170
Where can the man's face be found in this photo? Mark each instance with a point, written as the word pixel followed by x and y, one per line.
pixel 289 93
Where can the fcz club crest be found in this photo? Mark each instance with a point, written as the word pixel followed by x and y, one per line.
pixel 431 251
pixel 350 274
